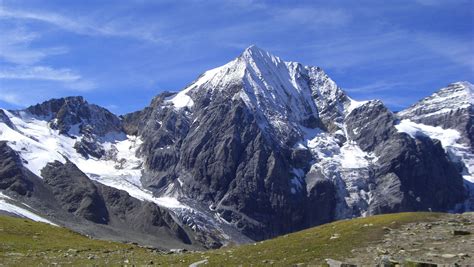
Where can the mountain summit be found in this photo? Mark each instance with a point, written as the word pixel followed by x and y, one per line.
pixel 250 150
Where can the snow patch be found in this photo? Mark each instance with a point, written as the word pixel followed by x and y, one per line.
pixel 19 211
pixel 353 105
pixel 448 137
pixel 38 145
pixel 450 140
pixel 181 99
pixel 352 157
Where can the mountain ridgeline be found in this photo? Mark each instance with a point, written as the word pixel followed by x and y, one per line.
pixel 253 149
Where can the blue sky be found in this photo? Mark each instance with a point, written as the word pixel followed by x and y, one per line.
pixel 119 54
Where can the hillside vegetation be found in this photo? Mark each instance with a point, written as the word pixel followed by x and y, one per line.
pixel 24 242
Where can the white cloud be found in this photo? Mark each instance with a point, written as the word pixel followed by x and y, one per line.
pixel 15 47
pixel 23 61
pixel 377 86
pixel 438 3
pixel 456 50
pixel 314 17
pixel 11 98
pixel 38 73
pixel 111 107
pixel 122 27
pixel 81 85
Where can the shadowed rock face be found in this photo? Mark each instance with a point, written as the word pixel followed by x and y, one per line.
pixel 321 203
pixel 75 192
pixel 370 125
pixel 4 119
pixel 140 216
pixel 224 158
pixel 12 175
pixel 98 203
pixel 428 180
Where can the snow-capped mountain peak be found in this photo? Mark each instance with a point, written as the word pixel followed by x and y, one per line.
pixel 254 54
pixel 459 95
pixel 279 92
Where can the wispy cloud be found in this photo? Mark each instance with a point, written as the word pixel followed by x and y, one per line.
pixel 15 47
pixel 375 87
pixel 397 103
pixel 438 3
pixel 456 50
pixel 22 61
pixel 313 17
pixel 81 85
pixel 349 50
pixel 111 107
pixel 38 73
pixel 88 25
pixel 11 98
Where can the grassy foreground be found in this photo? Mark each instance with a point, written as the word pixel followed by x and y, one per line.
pixel 27 243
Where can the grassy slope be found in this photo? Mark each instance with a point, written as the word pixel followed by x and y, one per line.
pixel 26 243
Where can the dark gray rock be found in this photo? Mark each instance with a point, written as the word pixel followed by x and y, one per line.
pixel 89 146
pixel 75 192
pixel 140 216
pixel 461 232
pixel 106 205
pixel 64 113
pixel 231 162
pixel 429 180
pixel 370 125
pixel 321 202
pixel 4 118
pixel 411 174
pixel 223 158
pixel 12 175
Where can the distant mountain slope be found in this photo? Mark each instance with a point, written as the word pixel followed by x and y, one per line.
pixel 447 115
pixel 451 107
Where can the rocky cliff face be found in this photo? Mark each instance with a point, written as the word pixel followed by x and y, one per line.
pixel 451 107
pixel 447 115
pixel 410 173
pixel 73 115
pixel 250 150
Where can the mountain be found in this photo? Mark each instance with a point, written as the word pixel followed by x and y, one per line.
pixel 450 108
pixel 250 150
pixel 447 115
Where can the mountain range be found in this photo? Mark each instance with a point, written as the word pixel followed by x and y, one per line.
pixel 254 149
